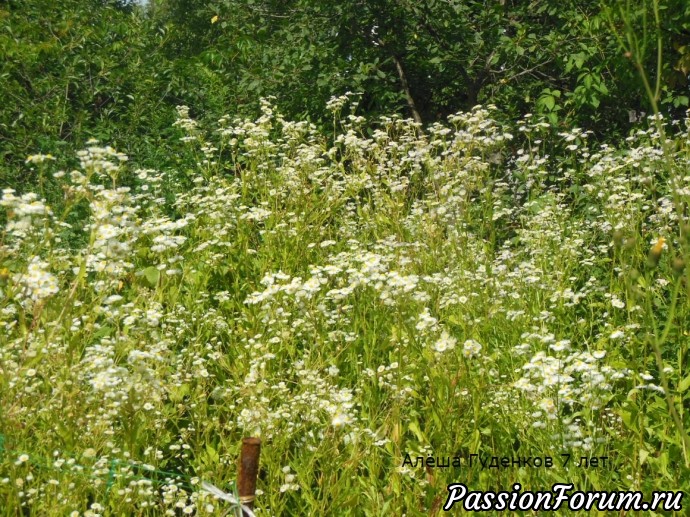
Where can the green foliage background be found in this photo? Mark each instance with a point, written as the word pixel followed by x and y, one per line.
pixel 114 71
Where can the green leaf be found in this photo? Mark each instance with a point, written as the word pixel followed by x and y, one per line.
pixel 414 427
pixel 579 60
pixel 212 454
pixel 548 101
pixel 681 100
pixel 601 88
pixel 152 275
pixel 684 384
pixel 588 79
pixel 643 456
pixel 102 332
pixel 178 393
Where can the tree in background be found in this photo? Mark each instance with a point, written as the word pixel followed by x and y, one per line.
pixel 115 71
pixel 429 59
pixel 76 70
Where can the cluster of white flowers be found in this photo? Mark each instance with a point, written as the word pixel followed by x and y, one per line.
pixel 25 213
pixel 290 478
pixel 104 162
pixel 38 282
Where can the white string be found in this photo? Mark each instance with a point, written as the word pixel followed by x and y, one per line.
pixel 214 490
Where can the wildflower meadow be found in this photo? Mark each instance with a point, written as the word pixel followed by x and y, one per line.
pixel 507 297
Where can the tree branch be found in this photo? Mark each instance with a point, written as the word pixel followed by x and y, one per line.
pixel 403 82
pixel 406 88
pixel 403 78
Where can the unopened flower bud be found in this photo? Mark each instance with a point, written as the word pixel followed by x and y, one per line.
pixel 655 252
pixel 618 238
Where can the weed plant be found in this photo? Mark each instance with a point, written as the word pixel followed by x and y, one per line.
pixel 351 302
